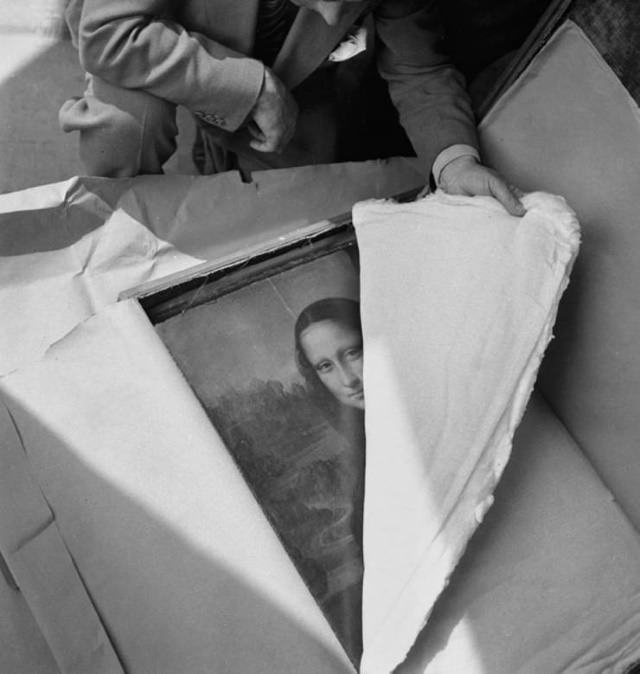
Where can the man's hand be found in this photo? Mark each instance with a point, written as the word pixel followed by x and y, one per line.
pixel 273 118
pixel 466 176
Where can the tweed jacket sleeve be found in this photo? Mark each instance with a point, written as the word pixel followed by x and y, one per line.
pixel 136 44
pixel 427 90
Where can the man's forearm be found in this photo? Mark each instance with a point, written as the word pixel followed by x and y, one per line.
pixel 126 43
pixel 429 93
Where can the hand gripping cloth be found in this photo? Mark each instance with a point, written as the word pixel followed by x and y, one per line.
pixel 458 301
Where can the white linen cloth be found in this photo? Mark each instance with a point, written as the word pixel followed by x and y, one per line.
pixel 458 300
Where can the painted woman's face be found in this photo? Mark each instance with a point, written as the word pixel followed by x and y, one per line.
pixel 335 352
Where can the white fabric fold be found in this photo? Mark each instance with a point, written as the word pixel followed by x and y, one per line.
pixel 458 301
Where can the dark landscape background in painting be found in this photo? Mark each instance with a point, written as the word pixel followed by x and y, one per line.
pixel 237 353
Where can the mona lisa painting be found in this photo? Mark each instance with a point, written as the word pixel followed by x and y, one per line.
pixel 273 352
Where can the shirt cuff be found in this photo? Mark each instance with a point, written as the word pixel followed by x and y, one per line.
pixel 448 155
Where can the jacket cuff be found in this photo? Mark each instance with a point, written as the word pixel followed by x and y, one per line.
pixel 448 155
pixel 235 96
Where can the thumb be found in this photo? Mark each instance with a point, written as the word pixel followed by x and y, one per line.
pixel 501 191
pixel 256 132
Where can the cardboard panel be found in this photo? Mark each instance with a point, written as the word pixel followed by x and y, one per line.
pixel 551 581
pixel 38 565
pixel 22 645
pixel 568 126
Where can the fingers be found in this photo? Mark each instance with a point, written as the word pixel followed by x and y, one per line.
pixel 75 115
pixel 517 191
pixel 506 196
pixel 270 134
pixel 259 141
pixel 273 139
pixel 423 192
pixel 465 175
pixel 265 143
pixel 255 132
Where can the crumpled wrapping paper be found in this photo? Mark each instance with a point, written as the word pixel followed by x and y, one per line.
pixel 183 568
pixel 68 249
pixel 458 299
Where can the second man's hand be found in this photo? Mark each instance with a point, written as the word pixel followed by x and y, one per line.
pixel 466 176
pixel 272 121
